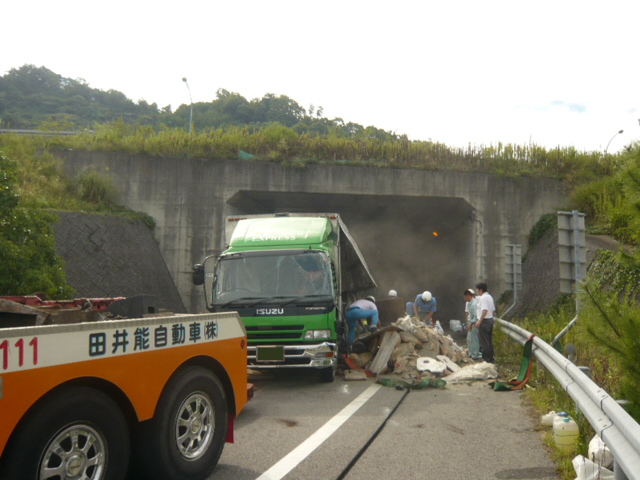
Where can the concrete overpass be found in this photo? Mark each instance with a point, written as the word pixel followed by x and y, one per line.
pixel 418 230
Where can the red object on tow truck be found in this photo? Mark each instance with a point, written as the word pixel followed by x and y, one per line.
pixel 97 304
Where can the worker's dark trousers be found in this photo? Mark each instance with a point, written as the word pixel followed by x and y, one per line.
pixel 485 332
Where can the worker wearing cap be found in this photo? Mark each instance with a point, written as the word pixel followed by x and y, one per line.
pixel 423 306
pixel 359 311
pixel 471 310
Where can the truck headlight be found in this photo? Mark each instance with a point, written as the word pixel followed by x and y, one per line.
pixel 311 334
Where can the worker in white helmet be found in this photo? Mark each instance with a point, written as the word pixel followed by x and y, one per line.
pixel 392 294
pixel 423 306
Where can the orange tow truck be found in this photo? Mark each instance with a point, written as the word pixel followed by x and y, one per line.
pixel 78 401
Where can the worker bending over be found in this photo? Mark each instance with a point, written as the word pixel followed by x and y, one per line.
pixel 359 311
pixel 423 306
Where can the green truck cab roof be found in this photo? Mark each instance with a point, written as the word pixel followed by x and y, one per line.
pixel 282 232
pixel 312 231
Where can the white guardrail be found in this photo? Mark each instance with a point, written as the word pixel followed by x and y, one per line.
pixel 39 133
pixel 616 427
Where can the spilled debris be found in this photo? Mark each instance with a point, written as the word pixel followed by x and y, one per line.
pixel 410 354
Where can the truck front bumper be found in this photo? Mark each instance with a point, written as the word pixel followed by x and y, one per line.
pixel 320 355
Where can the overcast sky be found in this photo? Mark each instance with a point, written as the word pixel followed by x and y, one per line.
pixel 458 72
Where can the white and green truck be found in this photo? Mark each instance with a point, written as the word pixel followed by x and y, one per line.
pixel 289 276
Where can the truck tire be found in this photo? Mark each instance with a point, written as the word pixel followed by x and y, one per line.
pixel 342 330
pixel 77 432
pixel 187 434
pixel 343 342
pixel 328 374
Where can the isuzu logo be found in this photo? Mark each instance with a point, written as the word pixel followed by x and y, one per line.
pixel 270 311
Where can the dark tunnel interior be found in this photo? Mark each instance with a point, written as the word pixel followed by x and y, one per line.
pixel 410 244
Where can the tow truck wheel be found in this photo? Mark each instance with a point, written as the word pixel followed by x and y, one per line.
pixel 186 437
pixel 77 433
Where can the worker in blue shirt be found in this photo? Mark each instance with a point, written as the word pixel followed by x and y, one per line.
pixel 359 311
pixel 423 306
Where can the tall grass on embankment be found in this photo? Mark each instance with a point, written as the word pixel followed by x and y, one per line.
pixel 276 142
pixel 42 183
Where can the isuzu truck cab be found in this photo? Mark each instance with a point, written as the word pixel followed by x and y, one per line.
pixel 289 277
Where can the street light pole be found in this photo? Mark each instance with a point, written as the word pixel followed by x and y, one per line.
pixel 617 133
pixel 184 79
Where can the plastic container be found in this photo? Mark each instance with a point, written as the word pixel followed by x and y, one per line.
pixel 548 418
pixel 566 433
pixel 560 416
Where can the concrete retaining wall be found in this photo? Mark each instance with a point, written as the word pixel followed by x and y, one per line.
pixel 110 256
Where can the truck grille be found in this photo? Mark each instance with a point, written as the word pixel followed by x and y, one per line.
pixel 265 336
pixel 288 361
pixel 274 327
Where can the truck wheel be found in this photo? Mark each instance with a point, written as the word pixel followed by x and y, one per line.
pixel 186 436
pixel 343 342
pixel 328 374
pixel 342 330
pixel 77 433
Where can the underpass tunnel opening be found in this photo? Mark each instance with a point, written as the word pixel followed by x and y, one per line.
pixel 411 244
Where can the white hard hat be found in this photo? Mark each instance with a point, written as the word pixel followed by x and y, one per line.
pixel 393 293
pixel 371 298
pixel 426 296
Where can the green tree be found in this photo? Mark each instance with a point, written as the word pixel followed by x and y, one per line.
pixel 30 80
pixel 30 95
pixel 611 296
pixel 28 259
pixel 280 109
pixel 613 321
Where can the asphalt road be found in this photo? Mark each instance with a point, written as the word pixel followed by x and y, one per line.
pixel 299 428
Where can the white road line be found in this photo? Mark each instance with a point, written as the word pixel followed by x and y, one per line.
pixel 302 451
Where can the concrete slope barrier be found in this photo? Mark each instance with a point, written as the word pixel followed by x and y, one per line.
pixel 109 256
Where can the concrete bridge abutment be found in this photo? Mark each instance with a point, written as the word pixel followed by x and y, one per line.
pixel 418 230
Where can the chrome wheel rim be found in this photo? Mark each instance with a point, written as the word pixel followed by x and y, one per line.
pixel 195 425
pixel 78 452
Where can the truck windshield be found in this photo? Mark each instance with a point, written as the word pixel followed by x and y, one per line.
pixel 263 276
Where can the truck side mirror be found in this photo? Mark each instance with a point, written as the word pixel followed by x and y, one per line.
pixel 198 274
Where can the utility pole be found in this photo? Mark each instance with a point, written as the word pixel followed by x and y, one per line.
pixel 184 79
